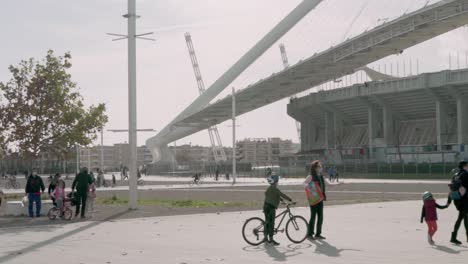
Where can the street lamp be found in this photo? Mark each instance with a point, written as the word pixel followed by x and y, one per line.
pixel 131 36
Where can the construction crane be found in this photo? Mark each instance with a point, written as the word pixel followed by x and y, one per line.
pixel 284 57
pixel 216 144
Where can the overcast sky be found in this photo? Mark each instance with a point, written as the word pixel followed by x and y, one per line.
pixel 222 31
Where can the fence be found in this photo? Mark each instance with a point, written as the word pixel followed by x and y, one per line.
pixel 16 166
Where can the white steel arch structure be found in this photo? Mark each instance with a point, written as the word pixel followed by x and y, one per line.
pixel 390 38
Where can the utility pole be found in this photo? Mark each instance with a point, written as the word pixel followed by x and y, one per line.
pixel 131 37
pixel 234 147
pixel 89 158
pixel 132 104
pixel 102 150
pixel 77 159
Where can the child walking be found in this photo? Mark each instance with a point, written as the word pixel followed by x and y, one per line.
pixel 59 195
pixel 273 196
pixel 429 213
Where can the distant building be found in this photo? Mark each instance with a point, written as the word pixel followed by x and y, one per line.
pixel 263 152
pixel 114 156
pixel 190 154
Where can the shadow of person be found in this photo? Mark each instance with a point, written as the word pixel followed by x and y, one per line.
pixel 324 248
pixel 275 254
pixel 446 249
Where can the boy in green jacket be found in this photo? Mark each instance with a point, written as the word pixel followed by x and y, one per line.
pixel 273 196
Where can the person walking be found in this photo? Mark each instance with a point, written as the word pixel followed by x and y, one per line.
pixel 34 188
pixel 114 180
pixel 81 183
pixel 429 214
pixel 331 173
pixel 52 186
pixel 316 180
pixel 462 203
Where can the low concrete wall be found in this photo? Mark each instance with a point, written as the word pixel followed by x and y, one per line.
pixel 16 208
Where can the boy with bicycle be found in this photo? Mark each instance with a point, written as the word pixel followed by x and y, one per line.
pixel 273 196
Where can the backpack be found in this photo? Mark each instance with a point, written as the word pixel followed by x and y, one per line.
pixel 457 191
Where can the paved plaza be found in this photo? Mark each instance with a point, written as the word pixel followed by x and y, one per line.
pixel 362 233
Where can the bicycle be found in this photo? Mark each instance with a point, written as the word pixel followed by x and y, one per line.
pixel 253 230
pixel 55 212
pixel 195 181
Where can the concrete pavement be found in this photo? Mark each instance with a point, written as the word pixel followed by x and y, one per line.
pixel 163 182
pixel 361 233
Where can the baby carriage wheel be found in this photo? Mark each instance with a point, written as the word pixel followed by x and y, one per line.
pixel 53 212
pixel 67 214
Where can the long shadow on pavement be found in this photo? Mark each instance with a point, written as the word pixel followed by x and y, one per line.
pixel 57 238
pixel 449 250
pixel 279 254
pixel 324 248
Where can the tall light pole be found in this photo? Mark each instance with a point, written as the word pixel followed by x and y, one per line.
pixel 102 149
pixel 131 36
pixel 78 159
pixel 234 147
pixel 132 109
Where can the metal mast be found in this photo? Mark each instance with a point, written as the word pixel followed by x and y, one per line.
pixel 284 57
pixel 215 139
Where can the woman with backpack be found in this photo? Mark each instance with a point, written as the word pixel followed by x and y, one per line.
pixel 315 192
pixel 459 196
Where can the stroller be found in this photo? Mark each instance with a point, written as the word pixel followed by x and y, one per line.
pixel 66 213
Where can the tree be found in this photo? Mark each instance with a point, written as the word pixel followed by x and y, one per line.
pixel 43 111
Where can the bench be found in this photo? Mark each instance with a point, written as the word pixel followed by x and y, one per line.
pixel 15 208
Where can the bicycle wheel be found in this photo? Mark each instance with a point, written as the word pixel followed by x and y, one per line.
pixel 297 229
pixel 253 231
pixel 52 214
pixel 67 214
pixel 17 185
pixel 8 185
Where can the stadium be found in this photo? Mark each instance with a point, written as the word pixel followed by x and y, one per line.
pixel 416 119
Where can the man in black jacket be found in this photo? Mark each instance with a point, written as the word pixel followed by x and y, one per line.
pixel 462 204
pixel 81 182
pixel 34 186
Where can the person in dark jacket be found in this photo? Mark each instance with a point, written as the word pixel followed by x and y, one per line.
pixel 273 197
pixel 462 204
pixel 316 211
pixel 429 213
pixel 81 183
pixel 34 188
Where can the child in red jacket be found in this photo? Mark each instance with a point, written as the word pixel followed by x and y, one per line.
pixel 429 213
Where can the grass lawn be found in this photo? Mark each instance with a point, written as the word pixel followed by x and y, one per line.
pixel 172 203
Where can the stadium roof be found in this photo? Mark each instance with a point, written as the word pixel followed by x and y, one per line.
pixel 409 98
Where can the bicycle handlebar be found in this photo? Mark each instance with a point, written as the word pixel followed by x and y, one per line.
pixel 288 203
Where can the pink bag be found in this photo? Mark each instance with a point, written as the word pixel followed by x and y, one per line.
pixel 314 193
